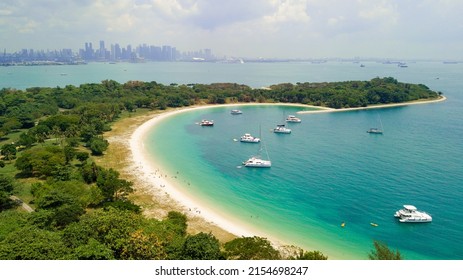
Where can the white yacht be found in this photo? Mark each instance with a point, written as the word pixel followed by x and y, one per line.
pixel 248 138
pixel 206 123
pixel 236 112
pixel 293 119
pixel 409 214
pixel 256 161
pixel 375 130
pixel 281 128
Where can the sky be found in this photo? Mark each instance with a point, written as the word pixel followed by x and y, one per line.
pixel 415 29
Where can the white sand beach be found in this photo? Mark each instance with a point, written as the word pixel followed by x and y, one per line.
pixel 332 110
pixel 162 183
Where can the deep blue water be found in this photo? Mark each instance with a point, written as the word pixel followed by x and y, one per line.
pixel 328 171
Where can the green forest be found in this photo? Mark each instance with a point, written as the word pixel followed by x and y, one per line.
pixel 50 137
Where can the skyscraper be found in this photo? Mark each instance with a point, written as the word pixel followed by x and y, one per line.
pixel 166 53
pixel 102 50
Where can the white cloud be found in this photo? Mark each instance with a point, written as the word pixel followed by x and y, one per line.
pixel 176 8
pixel 240 27
pixel 29 27
pixel 288 11
pixel 335 21
pixel 5 12
pixel 383 11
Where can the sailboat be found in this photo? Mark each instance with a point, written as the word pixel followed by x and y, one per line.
pixel 375 130
pixel 256 161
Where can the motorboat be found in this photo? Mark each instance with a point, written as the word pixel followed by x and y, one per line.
pixel 248 138
pixel 281 128
pixel 410 214
pixel 236 112
pixel 293 119
pixel 206 123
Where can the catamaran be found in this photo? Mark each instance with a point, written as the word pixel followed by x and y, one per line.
pixel 248 138
pixel 293 119
pixel 206 123
pixel 375 130
pixel 236 112
pixel 409 214
pixel 281 128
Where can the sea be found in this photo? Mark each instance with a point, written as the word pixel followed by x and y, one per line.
pixel 327 172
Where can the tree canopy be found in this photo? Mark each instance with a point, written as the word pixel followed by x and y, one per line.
pixel 382 252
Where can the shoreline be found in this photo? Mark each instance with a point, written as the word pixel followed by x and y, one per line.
pixel 156 177
pixel 151 174
pixel 372 107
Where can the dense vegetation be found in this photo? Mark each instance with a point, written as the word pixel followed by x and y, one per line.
pixel 49 137
pixel 382 252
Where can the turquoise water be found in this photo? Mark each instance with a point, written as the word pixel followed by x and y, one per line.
pixel 328 171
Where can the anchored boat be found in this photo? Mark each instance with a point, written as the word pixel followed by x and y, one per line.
pixel 410 214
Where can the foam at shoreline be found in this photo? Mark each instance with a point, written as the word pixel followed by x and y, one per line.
pixel 154 175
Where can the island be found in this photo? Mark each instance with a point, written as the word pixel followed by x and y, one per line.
pixel 65 154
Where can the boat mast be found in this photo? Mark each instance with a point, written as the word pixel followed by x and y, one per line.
pixel 380 123
pixel 260 137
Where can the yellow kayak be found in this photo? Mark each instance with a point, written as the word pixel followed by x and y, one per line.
pixel 373 224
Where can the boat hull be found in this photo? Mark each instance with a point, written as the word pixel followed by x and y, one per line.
pixel 282 131
pixel 258 165
pixel 415 220
pixel 249 141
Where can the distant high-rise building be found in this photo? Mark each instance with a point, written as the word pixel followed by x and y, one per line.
pixel 166 53
pixel 118 52
pixel 208 54
pixel 112 54
pixel 173 54
pixel 102 50
pixel 88 52
pixel 157 53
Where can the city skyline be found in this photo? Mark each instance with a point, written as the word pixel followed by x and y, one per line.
pixel 105 52
pixel 414 29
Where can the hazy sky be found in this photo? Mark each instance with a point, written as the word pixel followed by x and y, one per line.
pixel 247 28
